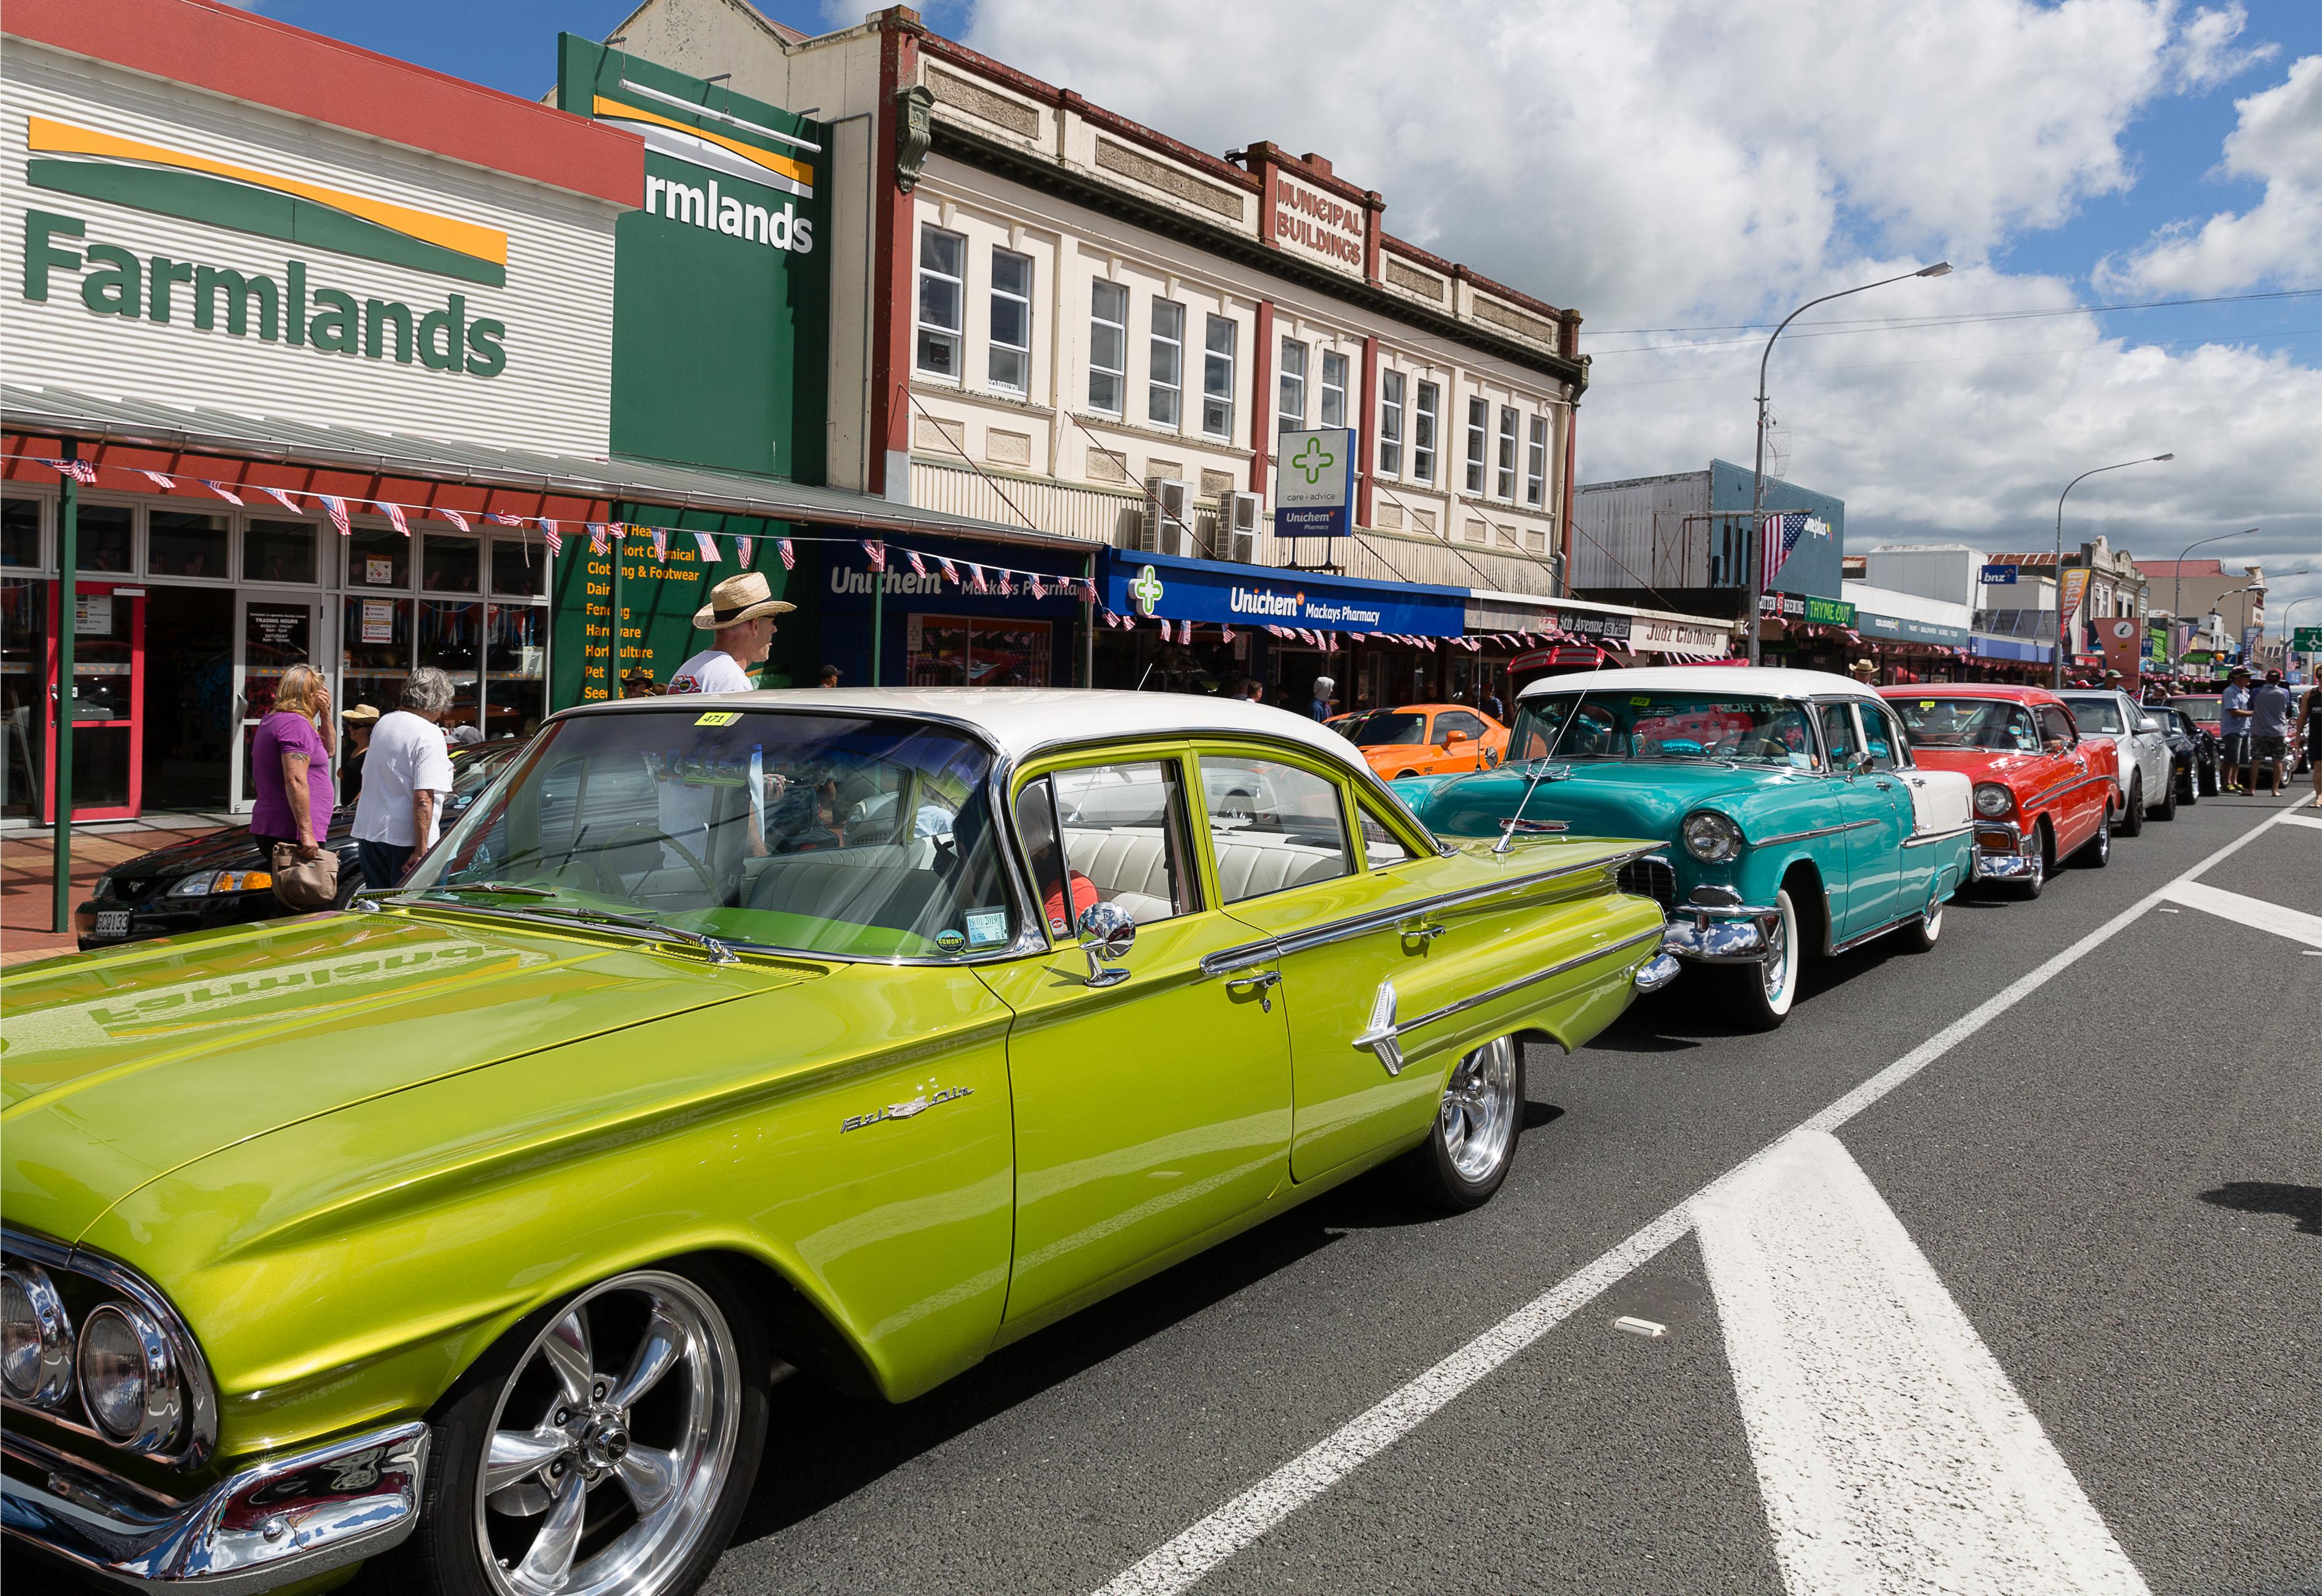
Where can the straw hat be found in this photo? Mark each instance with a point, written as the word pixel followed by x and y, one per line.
pixel 362 714
pixel 737 599
pixel 1864 667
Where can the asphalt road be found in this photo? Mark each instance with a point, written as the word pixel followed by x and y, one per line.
pixel 2032 1311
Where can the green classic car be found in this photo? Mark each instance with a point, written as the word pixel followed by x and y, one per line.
pixel 1790 815
pixel 856 1033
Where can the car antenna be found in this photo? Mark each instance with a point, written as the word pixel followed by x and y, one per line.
pixel 1539 774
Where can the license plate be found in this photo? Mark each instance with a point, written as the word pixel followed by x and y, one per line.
pixel 113 922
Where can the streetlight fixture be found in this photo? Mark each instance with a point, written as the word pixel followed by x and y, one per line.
pixel 1753 546
pixel 2056 678
pixel 2178 596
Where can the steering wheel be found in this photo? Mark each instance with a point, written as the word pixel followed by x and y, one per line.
pixel 638 836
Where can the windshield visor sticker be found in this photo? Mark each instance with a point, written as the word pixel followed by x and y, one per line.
pixel 929 1096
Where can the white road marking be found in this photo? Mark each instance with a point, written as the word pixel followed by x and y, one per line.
pixel 1180 1563
pixel 2313 820
pixel 1892 1454
pixel 2294 924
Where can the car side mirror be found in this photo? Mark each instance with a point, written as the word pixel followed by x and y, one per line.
pixel 1858 763
pixel 1451 738
pixel 2146 723
pixel 1108 931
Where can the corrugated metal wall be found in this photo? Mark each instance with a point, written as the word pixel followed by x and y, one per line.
pixel 1637 534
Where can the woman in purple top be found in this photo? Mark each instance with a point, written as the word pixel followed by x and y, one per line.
pixel 291 765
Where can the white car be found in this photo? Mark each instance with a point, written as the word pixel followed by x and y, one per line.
pixel 2145 775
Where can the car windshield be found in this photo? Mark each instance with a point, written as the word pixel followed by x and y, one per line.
pixel 1385 728
pixel 838 835
pixel 1968 723
pixel 1630 725
pixel 2203 710
pixel 2097 714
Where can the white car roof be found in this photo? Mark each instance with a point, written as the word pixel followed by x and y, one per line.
pixel 1773 680
pixel 1019 720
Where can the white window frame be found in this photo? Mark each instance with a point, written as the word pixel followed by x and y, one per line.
pixel 1503 479
pixel 994 347
pixel 1536 463
pixel 923 330
pixel 1335 371
pixel 1390 423
pixel 1289 390
pixel 1218 373
pixel 1425 432
pixel 1479 424
pixel 1099 289
pixel 1165 348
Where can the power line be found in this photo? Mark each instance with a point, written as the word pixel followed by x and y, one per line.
pixel 2017 354
pixel 1908 324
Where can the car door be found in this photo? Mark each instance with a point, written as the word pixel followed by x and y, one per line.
pixel 1873 819
pixel 2080 797
pixel 1347 926
pixel 1152 1097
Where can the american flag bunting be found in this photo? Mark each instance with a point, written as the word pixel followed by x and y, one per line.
pixel 166 484
pixel 706 546
pixel 790 555
pixel 552 537
pixel 876 554
pixel 220 488
pixel 452 515
pixel 394 514
pixel 336 509
pixel 743 547
pixel 282 498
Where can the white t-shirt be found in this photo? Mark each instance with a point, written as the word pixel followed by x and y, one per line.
pixel 712 670
pixel 407 755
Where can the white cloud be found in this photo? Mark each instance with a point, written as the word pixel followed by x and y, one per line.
pixel 2206 54
pixel 2277 141
pixel 1659 163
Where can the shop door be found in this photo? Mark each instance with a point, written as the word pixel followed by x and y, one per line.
pixel 108 703
pixel 270 636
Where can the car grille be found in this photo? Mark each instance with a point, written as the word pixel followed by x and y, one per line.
pixel 128 891
pixel 1650 876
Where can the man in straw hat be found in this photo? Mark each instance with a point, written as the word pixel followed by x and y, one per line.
pixel 1865 671
pixel 741 613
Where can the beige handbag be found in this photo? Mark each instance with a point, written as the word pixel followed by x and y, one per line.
pixel 305 883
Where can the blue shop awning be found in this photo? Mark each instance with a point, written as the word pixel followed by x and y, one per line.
pixel 1988 647
pixel 1173 588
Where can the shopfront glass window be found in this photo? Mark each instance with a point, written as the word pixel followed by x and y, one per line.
pixel 376 656
pixel 451 564
pixel 959 650
pixel 20 531
pixel 23 669
pixel 105 537
pixel 185 544
pixel 1010 365
pixel 452 639
pixel 1165 388
pixel 278 552
pixel 1390 451
pixel 519 566
pixel 378 558
pixel 1108 346
pixel 943 301
pixel 1422 433
pixel 515 669
pixel 1217 378
pixel 1334 389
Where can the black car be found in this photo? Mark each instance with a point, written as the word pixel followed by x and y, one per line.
pixel 2198 714
pixel 2188 759
pixel 193 886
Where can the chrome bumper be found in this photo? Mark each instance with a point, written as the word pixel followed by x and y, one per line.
pixel 280 1519
pixel 2012 859
pixel 1732 933
pixel 1655 974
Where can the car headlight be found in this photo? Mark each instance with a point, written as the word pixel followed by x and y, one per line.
pixel 128 1378
pixel 1993 801
pixel 36 1341
pixel 209 883
pixel 1711 837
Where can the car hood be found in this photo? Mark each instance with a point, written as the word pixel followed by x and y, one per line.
pixel 119 1067
pixel 1593 798
pixel 1978 764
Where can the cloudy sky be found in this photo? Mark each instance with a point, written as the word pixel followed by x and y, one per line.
pixel 1684 172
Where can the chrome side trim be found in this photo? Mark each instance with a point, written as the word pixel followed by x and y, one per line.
pixel 2062 789
pixel 1824 831
pixel 278 1520
pixel 1895 925
pixel 1495 993
pixel 1298 941
pixel 1937 836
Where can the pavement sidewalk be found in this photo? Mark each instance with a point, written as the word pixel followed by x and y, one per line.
pixel 28 874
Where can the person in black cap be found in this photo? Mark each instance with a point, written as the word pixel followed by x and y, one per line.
pixel 2270 731
pixel 2234 727
pixel 829 677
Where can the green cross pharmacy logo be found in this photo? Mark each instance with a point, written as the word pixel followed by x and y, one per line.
pixel 1314 460
pixel 1146 590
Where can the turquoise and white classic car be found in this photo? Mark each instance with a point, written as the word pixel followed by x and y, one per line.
pixel 1792 818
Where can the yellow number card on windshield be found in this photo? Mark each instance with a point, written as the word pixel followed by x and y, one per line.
pixel 719 717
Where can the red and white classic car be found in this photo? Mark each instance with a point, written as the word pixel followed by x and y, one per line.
pixel 2043 792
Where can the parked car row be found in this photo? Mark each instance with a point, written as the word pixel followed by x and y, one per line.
pixel 861 1034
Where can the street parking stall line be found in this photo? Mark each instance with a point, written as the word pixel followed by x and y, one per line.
pixel 1892 1454
pixel 1180 1562
pixel 2312 820
pixel 2256 912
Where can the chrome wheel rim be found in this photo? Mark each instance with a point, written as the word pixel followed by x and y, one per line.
pixel 1774 970
pixel 1479 1116
pixel 611 1443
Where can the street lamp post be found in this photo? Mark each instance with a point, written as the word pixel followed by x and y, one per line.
pixel 2178 596
pixel 1753 545
pixel 2056 677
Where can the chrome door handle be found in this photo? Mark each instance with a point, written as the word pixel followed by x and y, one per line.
pixel 1421 931
pixel 1259 984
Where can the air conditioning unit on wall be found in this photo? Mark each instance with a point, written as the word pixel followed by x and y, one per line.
pixel 1167 528
pixel 1244 510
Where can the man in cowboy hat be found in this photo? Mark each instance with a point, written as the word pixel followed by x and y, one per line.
pixel 637 682
pixel 741 613
pixel 1865 671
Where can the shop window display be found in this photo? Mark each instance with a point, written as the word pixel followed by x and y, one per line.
pixel 105 537
pixel 451 638
pixel 20 531
pixel 518 568
pixel 185 544
pixel 376 557
pixel 957 651
pixel 23 643
pixel 451 564
pixel 279 551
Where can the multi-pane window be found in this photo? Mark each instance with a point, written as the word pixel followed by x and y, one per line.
pixel 1290 409
pixel 1010 363
pixel 1422 434
pixel 1217 378
pixel 943 296
pixel 1390 451
pixel 1479 418
pixel 1536 463
pixel 1165 388
pixel 1334 389
pixel 1108 346
pixel 1505 482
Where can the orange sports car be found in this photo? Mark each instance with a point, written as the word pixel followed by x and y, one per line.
pixel 1424 739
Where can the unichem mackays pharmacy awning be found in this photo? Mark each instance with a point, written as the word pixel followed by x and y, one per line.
pixel 1168 587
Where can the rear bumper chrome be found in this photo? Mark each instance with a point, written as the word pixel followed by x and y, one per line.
pixel 1722 933
pixel 279 1519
